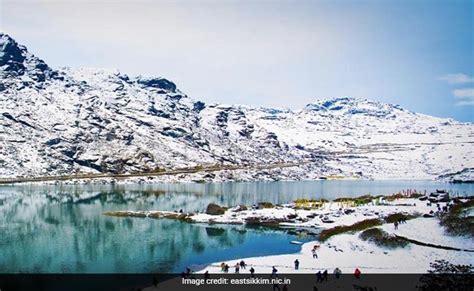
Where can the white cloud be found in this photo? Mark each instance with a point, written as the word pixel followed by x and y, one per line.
pixel 462 93
pixel 458 78
pixel 464 97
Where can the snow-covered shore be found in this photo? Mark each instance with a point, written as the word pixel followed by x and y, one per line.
pixel 329 215
pixel 348 252
pixel 305 215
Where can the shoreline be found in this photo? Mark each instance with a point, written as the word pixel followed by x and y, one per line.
pixel 143 180
pixel 348 252
pixel 402 219
pixel 286 171
pixel 125 176
pixel 306 213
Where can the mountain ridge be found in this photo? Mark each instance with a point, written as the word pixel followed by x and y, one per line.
pixel 83 120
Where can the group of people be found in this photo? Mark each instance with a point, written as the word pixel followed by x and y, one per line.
pixel 238 266
pixel 323 276
pixel 224 267
pixel 320 276
pixel 187 273
pixel 242 265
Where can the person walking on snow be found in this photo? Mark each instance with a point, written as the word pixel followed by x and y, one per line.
pixel 274 272
pixel 297 264
pixel 319 277
pixel 357 273
pixel 337 273
pixel 222 266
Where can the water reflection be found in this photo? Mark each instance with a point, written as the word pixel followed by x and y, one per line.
pixel 62 229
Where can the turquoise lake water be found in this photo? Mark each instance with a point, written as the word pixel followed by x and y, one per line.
pixel 61 229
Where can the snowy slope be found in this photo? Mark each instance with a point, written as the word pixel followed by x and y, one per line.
pixel 63 121
pixel 348 252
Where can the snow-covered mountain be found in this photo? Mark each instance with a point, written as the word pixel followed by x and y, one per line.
pixel 63 121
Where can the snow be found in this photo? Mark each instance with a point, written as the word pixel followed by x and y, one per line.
pixel 348 252
pixel 318 218
pixel 428 230
pixel 127 126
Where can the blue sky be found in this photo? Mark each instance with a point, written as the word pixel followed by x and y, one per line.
pixel 419 54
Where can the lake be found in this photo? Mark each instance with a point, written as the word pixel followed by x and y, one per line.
pixel 61 229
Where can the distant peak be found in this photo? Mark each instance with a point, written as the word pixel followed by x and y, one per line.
pixel 352 106
pixel 331 103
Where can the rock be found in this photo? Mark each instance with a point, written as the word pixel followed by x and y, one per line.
pixel 174 132
pixel 11 52
pixel 292 216
pixel 211 176
pixel 327 220
pixel 158 112
pixel 198 106
pixel 262 205
pixel 349 211
pixel 264 221
pixel 53 141
pixel 222 118
pixel 15 60
pixel 184 217
pixel 214 209
pixel 444 198
pixel 160 83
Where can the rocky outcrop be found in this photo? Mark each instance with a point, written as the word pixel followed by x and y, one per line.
pixel 16 61
pixel 160 83
pixel 214 209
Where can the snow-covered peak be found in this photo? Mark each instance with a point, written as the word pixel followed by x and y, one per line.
pixel 353 106
pixel 55 122
pixel 114 79
pixel 16 61
pixel 10 51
